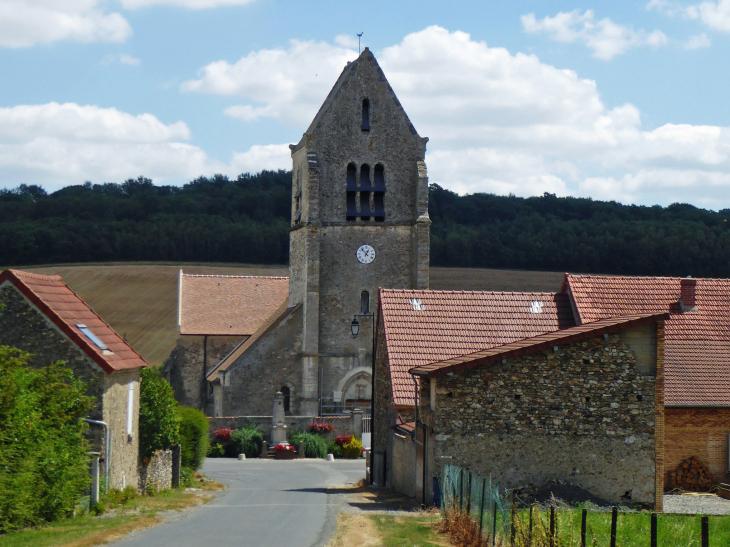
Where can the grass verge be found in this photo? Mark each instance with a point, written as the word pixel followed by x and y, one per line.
pixel 135 514
pixel 376 530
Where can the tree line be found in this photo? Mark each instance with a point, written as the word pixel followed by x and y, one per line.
pixel 217 219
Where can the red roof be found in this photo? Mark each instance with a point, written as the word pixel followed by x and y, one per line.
pixel 234 305
pixel 66 310
pixel 696 343
pixel 423 327
pixel 534 344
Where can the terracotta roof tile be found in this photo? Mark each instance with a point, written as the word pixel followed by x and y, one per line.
pixel 696 343
pixel 536 343
pixel 228 304
pixel 427 326
pixel 66 310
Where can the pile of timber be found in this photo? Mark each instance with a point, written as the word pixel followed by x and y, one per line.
pixel 691 475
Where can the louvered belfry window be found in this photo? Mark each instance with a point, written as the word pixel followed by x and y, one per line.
pixel 366 193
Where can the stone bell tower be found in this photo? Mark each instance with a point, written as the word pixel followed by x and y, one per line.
pixel 359 221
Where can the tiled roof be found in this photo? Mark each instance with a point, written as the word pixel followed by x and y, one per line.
pixel 66 310
pixel 534 344
pixel 228 304
pixel 696 343
pixel 423 327
pixel 280 313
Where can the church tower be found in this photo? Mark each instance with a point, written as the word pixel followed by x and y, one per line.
pixel 359 221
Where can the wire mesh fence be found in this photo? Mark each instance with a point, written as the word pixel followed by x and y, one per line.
pixel 479 497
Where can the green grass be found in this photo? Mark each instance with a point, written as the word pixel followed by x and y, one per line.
pixel 408 531
pixel 632 530
pixel 67 531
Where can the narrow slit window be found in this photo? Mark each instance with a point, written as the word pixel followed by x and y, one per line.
pixel 365 115
pixel 286 392
pixel 352 192
pixel 364 302
pixel 130 408
pixel 379 193
pixel 365 186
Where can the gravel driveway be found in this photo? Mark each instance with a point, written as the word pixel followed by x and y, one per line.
pixel 693 505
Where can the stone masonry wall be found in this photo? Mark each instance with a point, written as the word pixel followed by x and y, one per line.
pixel 156 474
pixel 583 414
pixel 273 361
pixel 701 432
pixel 124 447
pixel 191 359
pixel 24 327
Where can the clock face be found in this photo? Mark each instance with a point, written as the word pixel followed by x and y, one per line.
pixel 365 254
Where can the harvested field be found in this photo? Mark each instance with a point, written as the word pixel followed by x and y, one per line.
pixel 140 300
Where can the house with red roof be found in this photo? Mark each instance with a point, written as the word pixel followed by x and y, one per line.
pixel 217 314
pixel 609 384
pixel 41 315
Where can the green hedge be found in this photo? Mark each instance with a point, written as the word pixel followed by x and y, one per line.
pixel 43 463
pixel 193 436
pixel 246 440
pixel 315 446
pixel 159 425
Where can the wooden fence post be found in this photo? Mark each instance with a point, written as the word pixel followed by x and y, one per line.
pixel 461 490
pixel 705 531
pixel 530 534
pixel 583 518
pixel 552 526
pixel 513 524
pixel 614 516
pixel 468 497
pixel 481 507
pixel 653 530
pixel 494 521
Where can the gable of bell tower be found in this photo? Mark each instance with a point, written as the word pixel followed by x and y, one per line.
pixel 359 220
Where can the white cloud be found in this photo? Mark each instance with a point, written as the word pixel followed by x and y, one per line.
pixel 497 122
pixel 715 15
pixel 606 38
pixel 347 41
pixel 697 42
pixel 24 23
pixel 285 84
pixel 189 4
pixel 258 157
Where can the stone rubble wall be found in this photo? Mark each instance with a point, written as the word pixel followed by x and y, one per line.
pixel 582 414
pixel 157 473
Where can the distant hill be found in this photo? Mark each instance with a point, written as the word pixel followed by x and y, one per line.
pixel 247 219
pixel 140 300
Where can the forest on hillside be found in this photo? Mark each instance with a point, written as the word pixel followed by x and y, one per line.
pixel 246 220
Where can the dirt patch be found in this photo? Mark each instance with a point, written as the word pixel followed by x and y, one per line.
pixel 355 531
pixel 556 492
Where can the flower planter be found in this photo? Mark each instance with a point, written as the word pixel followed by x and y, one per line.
pixel 284 454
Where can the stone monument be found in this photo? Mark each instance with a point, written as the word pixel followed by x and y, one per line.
pixel 278 427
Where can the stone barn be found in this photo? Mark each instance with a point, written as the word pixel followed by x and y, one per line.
pixel 216 314
pixel 42 316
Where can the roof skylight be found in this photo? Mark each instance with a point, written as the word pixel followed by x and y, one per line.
pixel 417 306
pixel 536 307
pixel 91 336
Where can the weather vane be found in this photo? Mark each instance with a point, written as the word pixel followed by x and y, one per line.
pixel 358 43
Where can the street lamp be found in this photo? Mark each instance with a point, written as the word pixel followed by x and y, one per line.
pixel 355 330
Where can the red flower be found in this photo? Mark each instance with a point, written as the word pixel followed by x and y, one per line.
pixel 223 434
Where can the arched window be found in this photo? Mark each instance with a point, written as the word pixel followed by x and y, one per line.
pixel 287 398
pixel 364 302
pixel 352 190
pixel 365 115
pixel 298 197
pixel 379 193
pixel 365 187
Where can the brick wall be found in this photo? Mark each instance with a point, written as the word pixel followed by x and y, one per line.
pixel 582 414
pixel 701 432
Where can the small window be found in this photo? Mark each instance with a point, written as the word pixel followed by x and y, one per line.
pixel 91 336
pixel 286 392
pixel 365 115
pixel 364 302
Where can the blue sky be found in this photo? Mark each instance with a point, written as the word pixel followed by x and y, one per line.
pixel 612 100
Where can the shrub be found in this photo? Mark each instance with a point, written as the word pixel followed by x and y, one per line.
pixel 343 439
pixel 159 425
pixel 314 445
pixel 246 440
pixel 216 450
pixel 43 461
pixel 193 437
pixel 335 449
pixel 353 449
pixel 320 427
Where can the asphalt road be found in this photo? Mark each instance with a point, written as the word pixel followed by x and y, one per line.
pixel 267 502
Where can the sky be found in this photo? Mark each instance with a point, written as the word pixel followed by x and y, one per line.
pixel 624 101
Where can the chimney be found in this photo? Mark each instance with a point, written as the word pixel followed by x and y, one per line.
pixel 687 294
